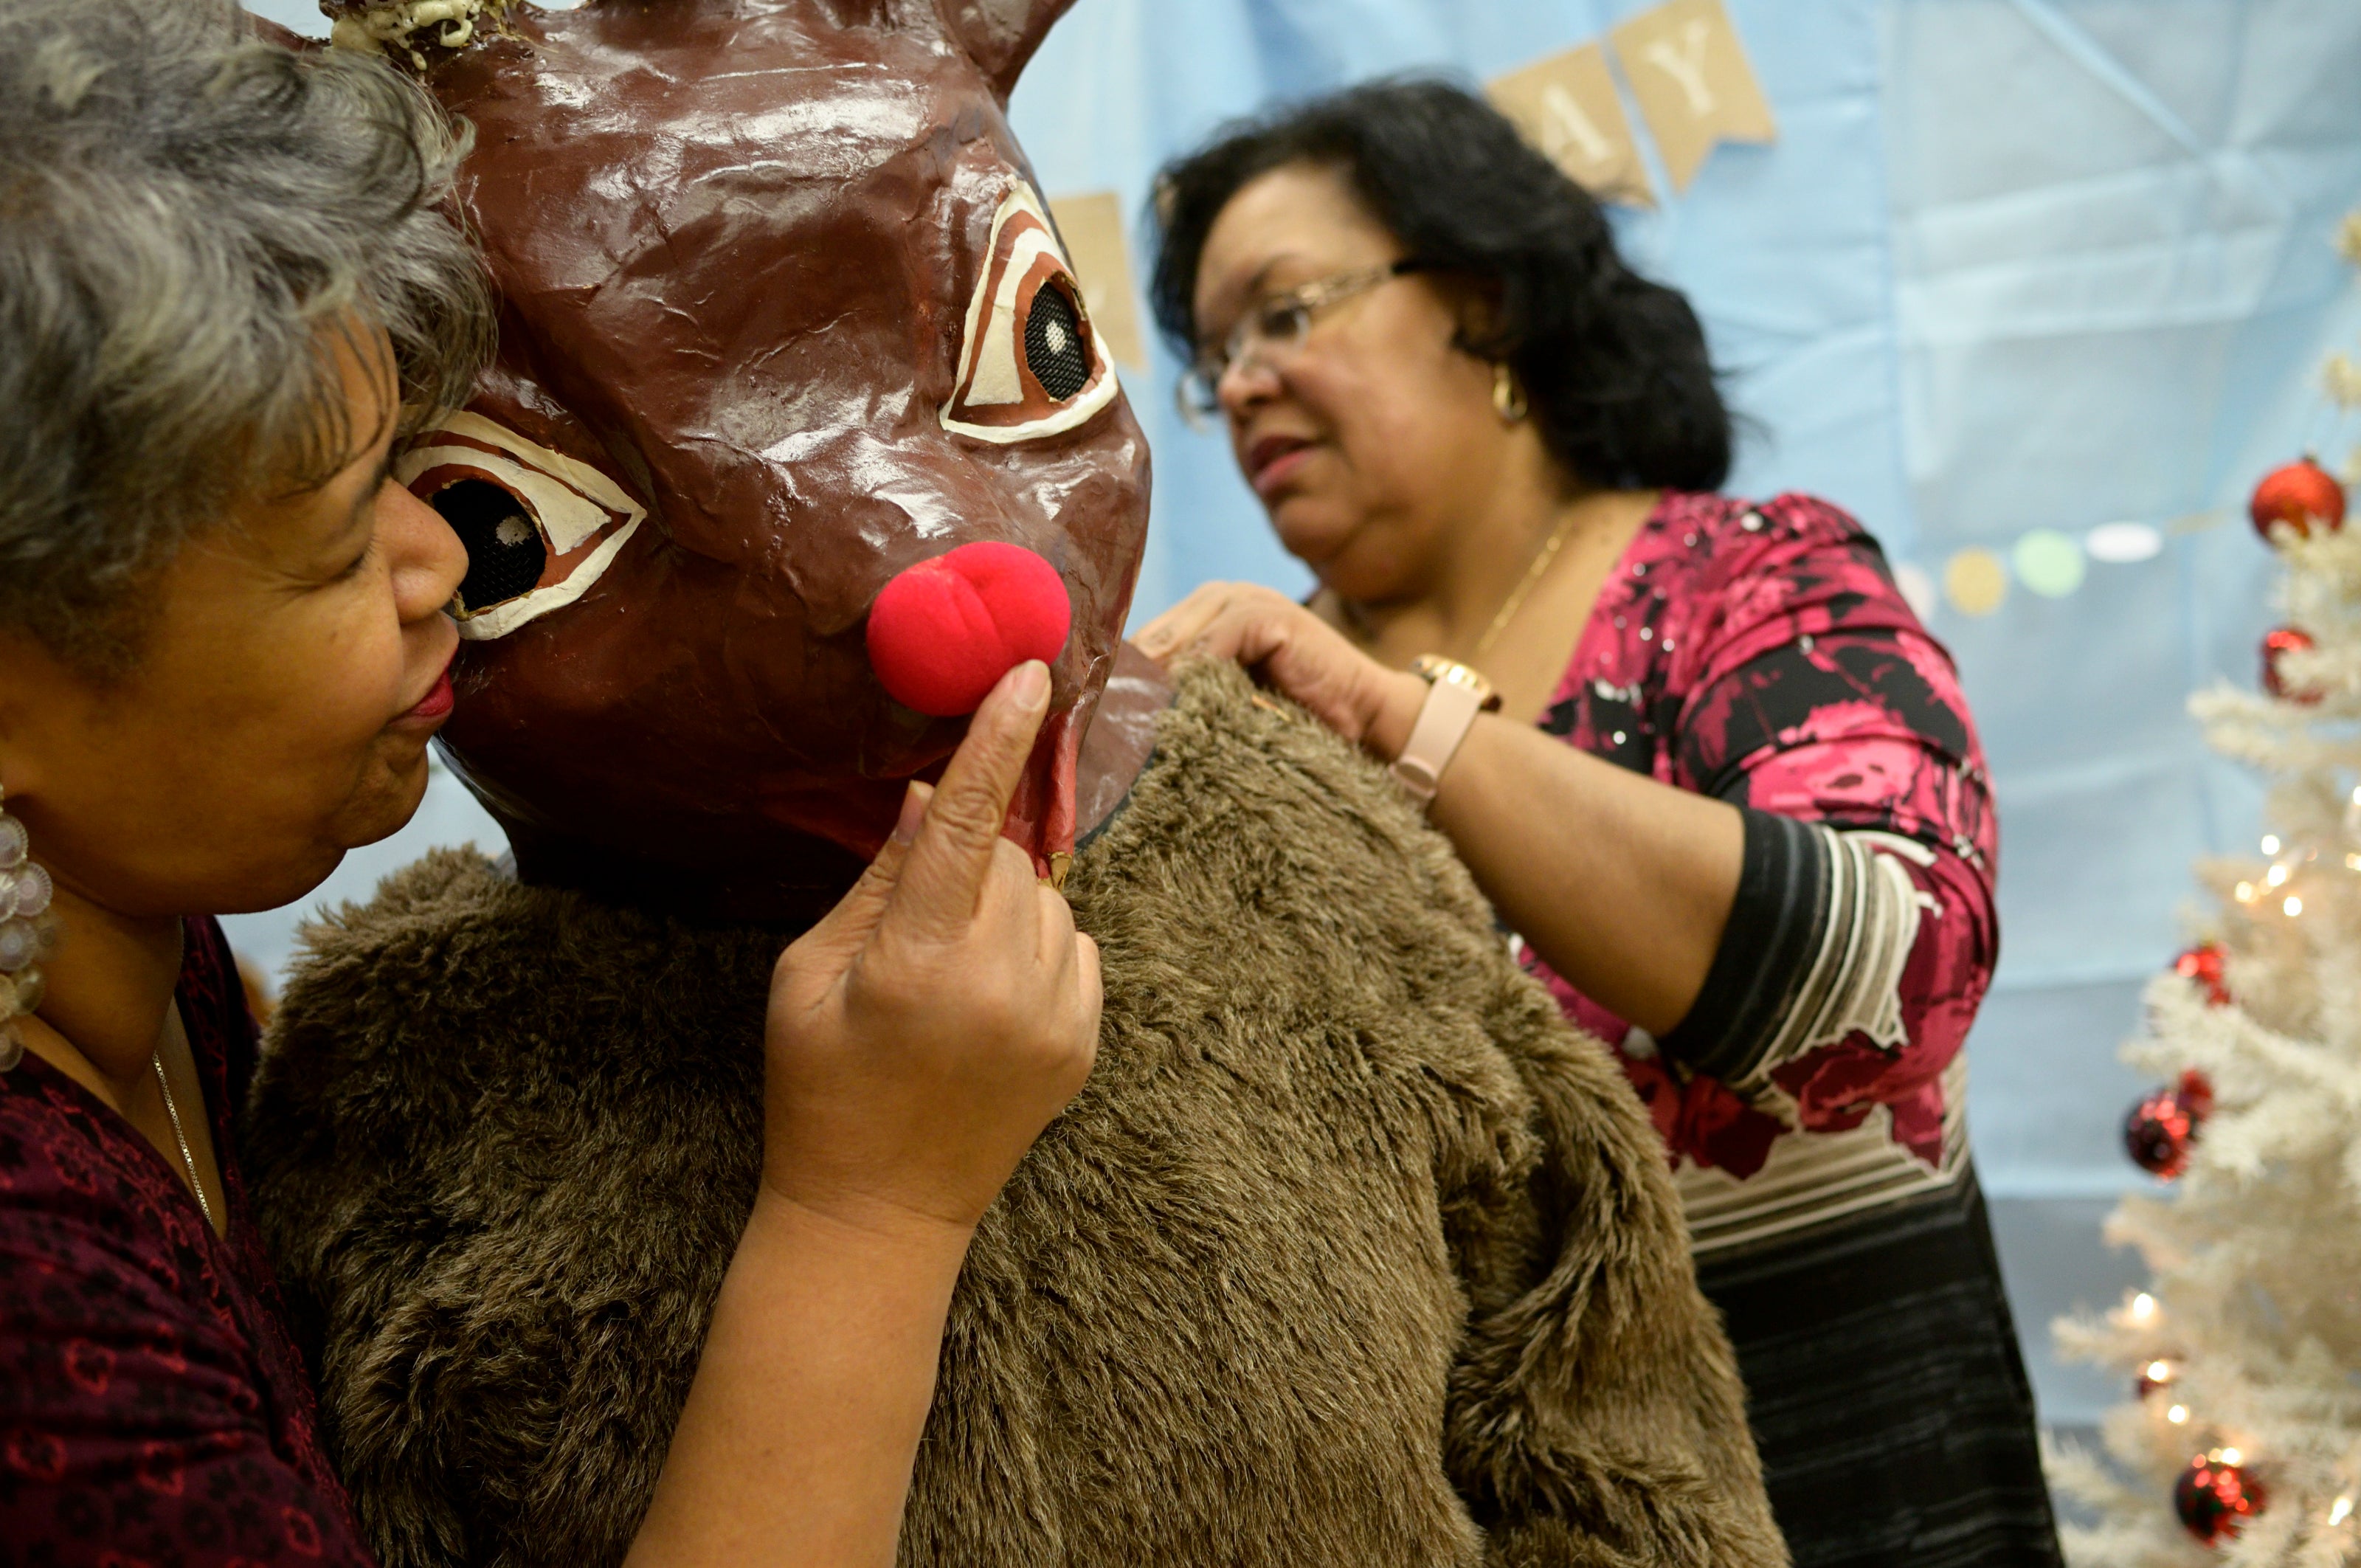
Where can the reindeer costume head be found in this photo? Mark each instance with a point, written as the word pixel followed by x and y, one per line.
pixel 783 317
pixel 1349 1252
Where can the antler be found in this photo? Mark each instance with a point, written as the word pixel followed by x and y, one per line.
pixel 376 26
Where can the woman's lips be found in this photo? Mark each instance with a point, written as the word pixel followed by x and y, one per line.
pixel 1274 460
pixel 435 706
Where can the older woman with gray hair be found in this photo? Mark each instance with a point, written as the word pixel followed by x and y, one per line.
pixel 225 293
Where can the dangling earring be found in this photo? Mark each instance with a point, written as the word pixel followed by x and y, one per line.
pixel 1508 394
pixel 28 934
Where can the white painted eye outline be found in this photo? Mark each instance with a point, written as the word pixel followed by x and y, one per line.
pixel 998 398
pixel 584 517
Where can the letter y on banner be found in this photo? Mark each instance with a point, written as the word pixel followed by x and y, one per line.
pixel 1693 82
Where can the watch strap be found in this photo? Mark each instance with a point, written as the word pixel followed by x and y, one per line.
pixel 1454 695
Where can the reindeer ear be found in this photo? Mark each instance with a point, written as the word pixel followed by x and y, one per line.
pixel 1000 36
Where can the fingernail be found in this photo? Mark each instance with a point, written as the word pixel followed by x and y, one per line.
pixel 1030 684
pixel 913 811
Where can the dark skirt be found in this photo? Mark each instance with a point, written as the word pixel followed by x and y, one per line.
pixel 1886 1391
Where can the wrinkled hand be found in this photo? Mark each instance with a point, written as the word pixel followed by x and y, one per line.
pixel 1290 649
pixel 922 1036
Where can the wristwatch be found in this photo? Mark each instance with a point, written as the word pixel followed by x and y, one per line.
pixel 1454 695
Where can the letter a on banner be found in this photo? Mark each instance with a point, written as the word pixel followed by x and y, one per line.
pixel 1695 86
pixel 1566 105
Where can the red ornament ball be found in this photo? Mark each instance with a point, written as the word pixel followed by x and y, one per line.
pixel 942 634
pixel 2157 1132
pixel 2298 495
pixel 2202 965
pixel 2214 1497
pixel 2196 1092
pixel 2285 639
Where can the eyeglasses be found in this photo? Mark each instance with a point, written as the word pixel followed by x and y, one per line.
pixel 1272 329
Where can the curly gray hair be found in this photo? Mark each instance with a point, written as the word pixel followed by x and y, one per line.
pixel 189 214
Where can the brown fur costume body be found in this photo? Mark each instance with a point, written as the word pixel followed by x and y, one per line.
pixel 1350 1252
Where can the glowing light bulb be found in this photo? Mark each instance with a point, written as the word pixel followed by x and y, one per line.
pixel 2177 1415
pixel 2340 1510
pixel 2270 843
pixel 2159 1371
pixel 2275 876
pixel 2353 862
pixel 2143 1307
pixel 2294 905
pixel 2231 1456
pixel 2245 892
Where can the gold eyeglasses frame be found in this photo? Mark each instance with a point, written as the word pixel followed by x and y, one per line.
pixel 1197 394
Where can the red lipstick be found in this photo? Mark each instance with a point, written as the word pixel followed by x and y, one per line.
pixel 436 704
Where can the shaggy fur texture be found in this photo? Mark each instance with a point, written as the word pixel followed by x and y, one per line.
pixel 1351 1253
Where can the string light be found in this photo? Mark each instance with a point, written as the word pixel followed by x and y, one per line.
pixel 2270 843
pixel 2229 1456
pixel 2339 1512
pixel 2143 1307
pixel 2353 862
pixel 2177 1415
pixel 2275 876
pixel 2245 892
pixel 2159 1371
pixel 2294 905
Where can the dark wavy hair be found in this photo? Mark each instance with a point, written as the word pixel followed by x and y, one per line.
pixel 1615 366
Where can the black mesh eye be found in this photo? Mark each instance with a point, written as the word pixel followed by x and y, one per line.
pixel 505 555
pixel 1054 345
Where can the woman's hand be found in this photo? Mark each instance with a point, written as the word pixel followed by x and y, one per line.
pixel 1621 884
pixel 1295 651
pixel 923 1034
pixel 919 1040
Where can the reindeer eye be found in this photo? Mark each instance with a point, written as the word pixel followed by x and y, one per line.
pixel 1031 365
pixel 1054 343
pixel 540 527
pixel 506 553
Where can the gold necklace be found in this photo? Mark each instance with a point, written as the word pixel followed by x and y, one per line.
pixel 1533 573
pixel 188 1162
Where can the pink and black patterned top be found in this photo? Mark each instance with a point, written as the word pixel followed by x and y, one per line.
pixel 1763 655
pixel 153 1409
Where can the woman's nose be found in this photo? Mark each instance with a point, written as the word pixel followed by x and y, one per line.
pixel 943 632
pixel 1246 381
pixel 427 558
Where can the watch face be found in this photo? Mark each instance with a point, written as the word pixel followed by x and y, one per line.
pixel 1435 667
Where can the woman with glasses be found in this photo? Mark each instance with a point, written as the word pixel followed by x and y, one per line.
pixel 1714 774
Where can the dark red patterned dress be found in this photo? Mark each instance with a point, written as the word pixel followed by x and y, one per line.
pixel 153 1411
pixel 1763 655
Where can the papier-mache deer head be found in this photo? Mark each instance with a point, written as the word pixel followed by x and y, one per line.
pixel 785 323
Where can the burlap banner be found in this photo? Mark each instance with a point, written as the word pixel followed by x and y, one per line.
pixel 1092 225
pixel 1567 106
pixel 1693 82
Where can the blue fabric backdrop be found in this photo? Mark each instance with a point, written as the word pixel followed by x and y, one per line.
pixel 2011 264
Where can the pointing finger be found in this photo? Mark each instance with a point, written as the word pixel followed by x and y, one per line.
pixel 943 878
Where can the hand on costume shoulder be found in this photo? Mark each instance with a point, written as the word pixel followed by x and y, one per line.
pixel 1288 648
pixel 922 1036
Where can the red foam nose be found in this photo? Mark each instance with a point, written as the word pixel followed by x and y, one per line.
pixel 944 632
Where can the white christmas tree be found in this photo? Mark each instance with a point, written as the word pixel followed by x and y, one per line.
pixel 2242 1445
